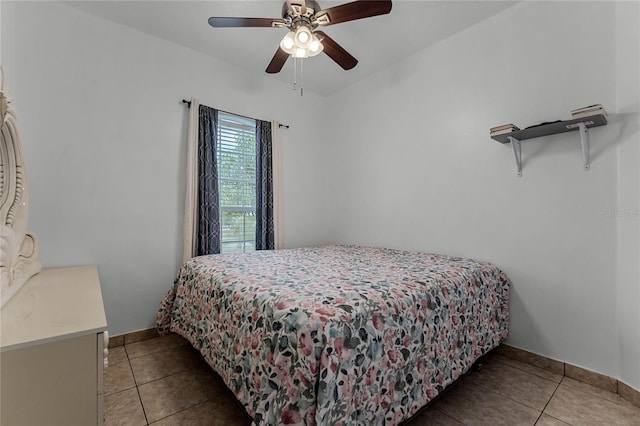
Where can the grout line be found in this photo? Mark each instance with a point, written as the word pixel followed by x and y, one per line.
pixel 119 391
pixel 161 349
pixel 531 372
pixel 146 419
pixel 545 405
pixel 550 398
pixel 185 409
pixel 488 390
pixel 516 401
pixel 538 419
pixel 450 416
pixel 168 375
pixel 164 377
pixel 595 395
pixel 564 372
pixel 506 396
pixel 133 374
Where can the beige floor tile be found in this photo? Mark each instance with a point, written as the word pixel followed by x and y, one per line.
pixel 117 355
pixel 581 408
pixel 475 405
pixel 540 372
pixel 177 388
pixel 161 364
pixel 521 386
pixel 433 417
pixel 546 420
pixel 219 411
pixel 158 344
pixel 118 377
pixel 124 409
pixel 177 392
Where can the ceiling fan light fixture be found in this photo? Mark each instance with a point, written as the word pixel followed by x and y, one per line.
pixel 300 53
pixel 316 47
pixel 288 43
pixel 303 37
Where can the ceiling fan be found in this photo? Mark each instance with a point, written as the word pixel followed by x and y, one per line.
pixel 302 18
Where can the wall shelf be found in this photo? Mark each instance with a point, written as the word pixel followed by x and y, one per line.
pixel 581 124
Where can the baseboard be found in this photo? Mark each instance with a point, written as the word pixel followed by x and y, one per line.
pixel 574 372
pixel 629 393
pixel 132 337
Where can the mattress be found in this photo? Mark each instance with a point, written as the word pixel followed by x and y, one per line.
pixel 337 335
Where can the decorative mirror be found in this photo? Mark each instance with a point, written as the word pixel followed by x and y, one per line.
pixel 19 258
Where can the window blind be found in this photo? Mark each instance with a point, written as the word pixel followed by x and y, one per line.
pixel 236 155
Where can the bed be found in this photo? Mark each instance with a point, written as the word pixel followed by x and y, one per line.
pixel 337 335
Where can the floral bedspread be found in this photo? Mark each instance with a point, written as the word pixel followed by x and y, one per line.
pixel 337 335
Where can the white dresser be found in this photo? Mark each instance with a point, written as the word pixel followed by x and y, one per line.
pixel 52 350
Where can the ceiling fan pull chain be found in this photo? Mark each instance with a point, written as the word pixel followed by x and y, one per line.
pixel 301 85
pixel 295 72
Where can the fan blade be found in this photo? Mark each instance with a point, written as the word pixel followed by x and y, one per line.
pixel 336 52
pixel 300 3
pixel 277 62
pixel 351 11
pixel 224 22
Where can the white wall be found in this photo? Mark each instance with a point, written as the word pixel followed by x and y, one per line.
pixel 104 138
pixel 414 168
pixel 7 26
pixel 410 164
pixel 628 203
pixel 1 7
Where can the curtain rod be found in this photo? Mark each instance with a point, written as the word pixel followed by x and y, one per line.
pixel 184 101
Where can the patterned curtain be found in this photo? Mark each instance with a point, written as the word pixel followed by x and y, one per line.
pixel 208 234
pixel 265 237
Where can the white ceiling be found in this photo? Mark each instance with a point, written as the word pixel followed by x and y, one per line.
pixel 376 42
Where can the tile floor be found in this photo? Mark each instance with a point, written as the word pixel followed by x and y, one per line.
pixel 163 381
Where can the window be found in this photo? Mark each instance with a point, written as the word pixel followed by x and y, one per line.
pixel 236 155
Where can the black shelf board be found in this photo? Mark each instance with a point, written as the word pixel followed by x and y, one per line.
pixel 552 128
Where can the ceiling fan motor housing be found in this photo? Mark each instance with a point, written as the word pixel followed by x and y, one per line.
pixel 312 8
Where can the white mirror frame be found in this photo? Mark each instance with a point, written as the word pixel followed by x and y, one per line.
pixel 19 256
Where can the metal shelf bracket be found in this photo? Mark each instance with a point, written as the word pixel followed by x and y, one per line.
pixel 584 141
pixel 517 153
